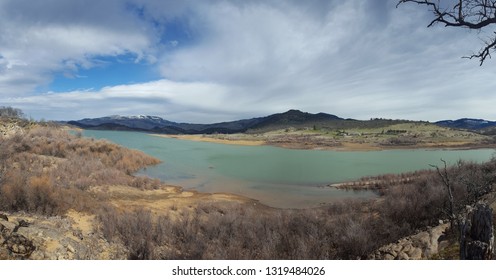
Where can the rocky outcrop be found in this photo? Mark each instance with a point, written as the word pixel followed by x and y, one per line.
pixel 26 236
pixel 477 238
pixel 14 244
pixel 8 129
pixel 420 246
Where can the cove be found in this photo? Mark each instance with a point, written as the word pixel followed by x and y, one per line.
pixel 275 176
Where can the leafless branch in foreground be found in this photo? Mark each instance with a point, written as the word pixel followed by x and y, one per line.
pixel 472 14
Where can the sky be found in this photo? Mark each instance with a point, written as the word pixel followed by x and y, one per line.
pixel 210 61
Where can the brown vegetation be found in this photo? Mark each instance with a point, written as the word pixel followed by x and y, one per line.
pixel 355 135
pixel 346 230
pixel 46 170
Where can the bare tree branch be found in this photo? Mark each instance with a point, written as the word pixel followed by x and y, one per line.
pixel 446 181
pixel 472 14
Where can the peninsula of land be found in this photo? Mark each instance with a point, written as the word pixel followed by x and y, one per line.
pixel 412 135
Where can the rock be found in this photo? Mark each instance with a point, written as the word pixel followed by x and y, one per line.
pixel 415 247
pixel 19 245
pixel 408 247
pixel 387 257
pixel 22 223
pixel 477 238
pixel 78 234
pixel 7 227
pixel 402 256
pixel 70 248
pixel 392 252
pixel 415 254
pixel 397 247
pixel 4 217
pixel 51 238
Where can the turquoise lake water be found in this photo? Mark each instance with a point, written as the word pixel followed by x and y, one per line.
pixel 275 176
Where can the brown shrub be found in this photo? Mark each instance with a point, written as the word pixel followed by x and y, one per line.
pixel 46 170
pixel 134 229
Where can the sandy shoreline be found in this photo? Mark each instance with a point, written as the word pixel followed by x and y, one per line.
pixel 343 146
pixel 201 138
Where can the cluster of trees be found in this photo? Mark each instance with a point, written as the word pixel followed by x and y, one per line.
pixel 10 112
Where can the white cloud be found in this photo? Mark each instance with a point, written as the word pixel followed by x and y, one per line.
pixel 165 98
pixel 356 59
pixel 39 39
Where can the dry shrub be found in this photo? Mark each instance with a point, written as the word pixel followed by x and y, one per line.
pixel 418 205
pixel 134 229
pixel 344 230
pixel 146 183
pixel 41 196
pixel 35 194
pixel 220 231
pixel 46 170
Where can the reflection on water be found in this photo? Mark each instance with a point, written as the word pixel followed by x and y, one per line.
pixel 275 176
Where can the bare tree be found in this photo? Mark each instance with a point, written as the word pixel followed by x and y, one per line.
pixel 451 212
pixel 471 14
pixel 10 112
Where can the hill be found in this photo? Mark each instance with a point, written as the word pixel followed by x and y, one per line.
pixel 291 118
pixel 477 125
pixel 302 130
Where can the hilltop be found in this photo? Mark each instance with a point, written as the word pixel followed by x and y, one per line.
pixel 302 130
pixel 291 118
pixel 476 125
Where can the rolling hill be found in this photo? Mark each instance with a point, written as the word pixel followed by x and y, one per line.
pixel 292 118
pixel 159 125
pixel 476 125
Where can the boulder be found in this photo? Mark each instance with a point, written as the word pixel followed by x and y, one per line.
pixel 19 245
pixel 419 246
pixel 4 217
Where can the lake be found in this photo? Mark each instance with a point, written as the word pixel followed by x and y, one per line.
pixel 275 176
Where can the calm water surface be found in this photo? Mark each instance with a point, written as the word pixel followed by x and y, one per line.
pixel 277 177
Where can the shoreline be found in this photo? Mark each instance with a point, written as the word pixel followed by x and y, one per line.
pixel 342 147
pixel 201 138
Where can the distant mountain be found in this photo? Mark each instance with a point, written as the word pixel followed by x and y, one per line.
pixel 132 122
pixel 293 118
pixel 157 124
pixel 469 124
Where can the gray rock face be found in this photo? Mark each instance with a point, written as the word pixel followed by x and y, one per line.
pixel 15 245
pixel 477 241
pixel 26 236
pixel 415 247
pixel 19 246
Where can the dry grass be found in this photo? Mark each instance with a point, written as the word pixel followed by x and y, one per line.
pixel 356 136
pixel 46 170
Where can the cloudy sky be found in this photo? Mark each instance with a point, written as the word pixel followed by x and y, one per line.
pixel 208 61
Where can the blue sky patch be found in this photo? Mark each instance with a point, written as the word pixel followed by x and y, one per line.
pixel 110 71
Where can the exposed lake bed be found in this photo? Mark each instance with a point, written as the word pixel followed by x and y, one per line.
pixel 278 177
